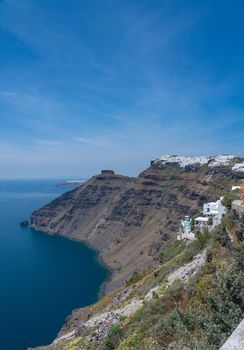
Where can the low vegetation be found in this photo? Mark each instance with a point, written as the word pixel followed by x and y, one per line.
pixel 230 197
pixel 198 315
pixel 195 314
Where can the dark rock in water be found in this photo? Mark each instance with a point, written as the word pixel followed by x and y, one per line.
pixel 24 223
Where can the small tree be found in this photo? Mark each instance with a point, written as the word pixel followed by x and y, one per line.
pixel 229 198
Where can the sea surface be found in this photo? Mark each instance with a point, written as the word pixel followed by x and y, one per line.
pixel 42 277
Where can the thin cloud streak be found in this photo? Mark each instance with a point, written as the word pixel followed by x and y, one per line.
pixel 120 83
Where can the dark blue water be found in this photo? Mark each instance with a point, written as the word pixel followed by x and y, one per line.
pixel 42 277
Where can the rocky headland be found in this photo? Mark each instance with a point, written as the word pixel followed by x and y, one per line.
pixel 131 221
pixel 128 220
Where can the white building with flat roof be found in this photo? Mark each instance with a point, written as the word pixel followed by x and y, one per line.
pixel 201 222
pixel 212 210
pixel 216 210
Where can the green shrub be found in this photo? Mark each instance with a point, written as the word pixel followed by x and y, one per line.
pixel 113 338
pixel 171 250
pixel 136 277
pixel 238 255
pixel 199 315
pixel 203 238
pixel 175 290
pixel 229 198
pixel 220 235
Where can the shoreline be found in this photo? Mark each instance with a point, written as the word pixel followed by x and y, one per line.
pixel 102 289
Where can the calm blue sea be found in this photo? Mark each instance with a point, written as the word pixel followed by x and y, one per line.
pixel 42 277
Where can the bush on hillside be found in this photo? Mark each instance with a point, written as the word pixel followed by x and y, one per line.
pixel 229 198
pixel 202 314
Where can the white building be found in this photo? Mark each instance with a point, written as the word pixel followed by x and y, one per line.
pixel 185 229
pixel 201 222
pixel 216 210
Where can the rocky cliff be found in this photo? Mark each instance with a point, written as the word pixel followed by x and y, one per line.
pixel 129 220
pixel 163 294
pixel 192 300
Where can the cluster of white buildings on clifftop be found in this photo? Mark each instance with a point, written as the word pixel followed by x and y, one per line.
pixel 210 161
pixel 213 213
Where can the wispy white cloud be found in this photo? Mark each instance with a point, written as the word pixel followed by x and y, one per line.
pixel 89 141
pixel 46 143
pixel 8 95
pixel 114 87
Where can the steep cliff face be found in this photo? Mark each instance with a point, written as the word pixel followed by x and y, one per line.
pixel 197 287
pixel 128 219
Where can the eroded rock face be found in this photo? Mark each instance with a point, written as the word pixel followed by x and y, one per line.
pixel 124 217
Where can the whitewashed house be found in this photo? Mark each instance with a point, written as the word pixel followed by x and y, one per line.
pixel 201 222
pixel 216 210
pixel 185 229
pixel 212 211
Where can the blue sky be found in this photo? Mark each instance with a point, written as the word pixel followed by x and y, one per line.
pixel 86 85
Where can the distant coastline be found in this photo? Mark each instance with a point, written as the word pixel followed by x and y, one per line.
pixel 74 183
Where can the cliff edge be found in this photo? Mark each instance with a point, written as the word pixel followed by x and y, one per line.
pixel 129 220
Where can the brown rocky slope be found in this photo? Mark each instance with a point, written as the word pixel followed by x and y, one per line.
pixel 128 220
